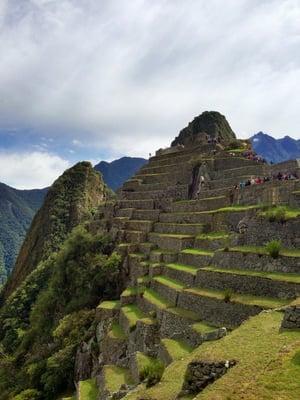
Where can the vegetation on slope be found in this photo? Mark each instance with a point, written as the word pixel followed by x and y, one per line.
pixel 17 209
pixel 71 200
pixel 41 327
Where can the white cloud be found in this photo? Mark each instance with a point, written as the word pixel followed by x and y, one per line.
pixel 30 170
pixel 128 75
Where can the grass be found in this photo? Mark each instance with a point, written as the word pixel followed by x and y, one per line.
pixel 267 368
pixel 283 213
pixel 181 312
pixel 133 313
pixel 176 348
pixel 276 276
pixel 87 390
pixel 184 268
pixel 110 304
pixel 198 252
pixel 115 377
pixel 155 299
pixel 213 236
pixel 172 283
pixel 132 291
pixel 201 327
pixel 172 235
pixel 236 208
pixel 196 201
pixel 262 250
pixel 264 302
pixel 116 332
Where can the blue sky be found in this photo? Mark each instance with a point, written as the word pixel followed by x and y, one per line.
pixel 98 79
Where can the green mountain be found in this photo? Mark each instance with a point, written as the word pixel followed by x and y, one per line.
pixel 17 209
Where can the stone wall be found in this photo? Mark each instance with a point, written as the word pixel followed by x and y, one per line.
pixel 291 318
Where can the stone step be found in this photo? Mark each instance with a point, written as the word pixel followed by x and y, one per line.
pixel 171 241
pixel 137 266
pixel 139 364
pixel 205 204
pixel 149 169
pixel 182 273
pixel 108 309
pixel 146 248
pixel 221 308
pixel 228 182
pixel 139 225
pixel 180 229
pixel 156 178
pixel 129 315
pixel 254 170
pixel 229 163
pixel 256 258
pixel 114 345
pixel 137 204
pixel 168 288
pixel 178 323
pixel 133 236
pixel 195 257
pixel 163 256
pixel 213 241
pixel 87 389
pixel 202 217
pixel 126 248
pixel 145 214
pixel 172 350
pixel 124 212
pixel 284 286
pixel 111 379
pixel 143 195
pixel 120 222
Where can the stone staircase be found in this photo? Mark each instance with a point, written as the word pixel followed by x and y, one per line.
pixel 189 279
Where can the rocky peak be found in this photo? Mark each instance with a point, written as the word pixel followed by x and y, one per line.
pixel 210 123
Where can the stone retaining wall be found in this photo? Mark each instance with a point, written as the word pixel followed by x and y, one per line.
pixel 291 318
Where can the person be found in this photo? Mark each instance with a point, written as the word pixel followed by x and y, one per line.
pixel 202 180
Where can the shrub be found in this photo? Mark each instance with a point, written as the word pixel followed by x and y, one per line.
pixel 276 214
pixel 152 373
pixel 228 295
pixel 273 248
pixel 28 394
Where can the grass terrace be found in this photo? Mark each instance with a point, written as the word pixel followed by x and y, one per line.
pixel 115 377
pixel 110 304
pixel 262 250
pixel 184 268
pixel 176 348
pixel 280 213
pixel 198 252
pixel 172 283
pixel 116 332
pixel 202 327
pixel 276 276
pixel 155 299
pixel 133 313
pixel 88 390
pixel 213 236
pixel 264 302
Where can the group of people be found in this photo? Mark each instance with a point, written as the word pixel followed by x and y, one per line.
pixel 258 180
pixel 250 155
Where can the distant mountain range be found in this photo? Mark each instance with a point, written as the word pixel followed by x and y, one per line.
pixel 275 150
pixel 118 171
pixel 17 209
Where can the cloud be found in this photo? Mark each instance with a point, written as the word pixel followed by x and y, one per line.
pixel 126 76
pixel 30 170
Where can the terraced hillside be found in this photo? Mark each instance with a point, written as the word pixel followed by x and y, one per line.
pixel 200 271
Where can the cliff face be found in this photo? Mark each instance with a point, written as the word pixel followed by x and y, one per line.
pixel 68 202
pixel 211 123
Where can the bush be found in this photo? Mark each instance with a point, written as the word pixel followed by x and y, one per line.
pixel 28 394
pixel 273 248
pixel 228 295
pixel 152 373
pixel 276 214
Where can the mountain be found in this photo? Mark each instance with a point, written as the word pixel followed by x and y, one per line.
pixel 69 200
pixel 17 209
pixel 118 171
pixel 275 150
pixel 211 123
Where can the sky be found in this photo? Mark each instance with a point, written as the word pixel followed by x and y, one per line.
pixel 99 79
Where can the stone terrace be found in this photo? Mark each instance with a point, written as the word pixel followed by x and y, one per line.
pixel 196 267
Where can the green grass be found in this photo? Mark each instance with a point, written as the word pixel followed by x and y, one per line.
pixel 172 235
pixel 176 348
pixel 181 312
pixel 143 360
pixel 198 252
pixel 171 283
pixel 268 365
pixel 116 332
pixel 264 302
pixel 241 150
pixel 132 291
pixel 184 268
pixel 133 313
pixel 115 377
pixel 155 299
pixel 201 327
pixel 284 212
pixel 262 250
pixel 213 236
pixel 87 390
pixel 110 304
pixel 276 276
pixel 236 208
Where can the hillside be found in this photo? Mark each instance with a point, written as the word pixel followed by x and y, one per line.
pixel 69 200
pixel 185 286
pixel 275 150
pixel 118 171
pixel 17 209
